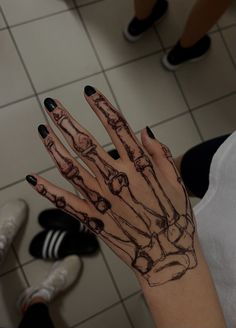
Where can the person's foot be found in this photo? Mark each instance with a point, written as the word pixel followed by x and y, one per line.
pixel 62 275
pixel 179 55
pixel 136 27
pixel 12 216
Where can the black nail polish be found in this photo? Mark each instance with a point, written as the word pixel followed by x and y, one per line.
pixel 50 104
pixel 43 131
pixel 114 154
pixel 150 133
pixel 32 180
pixel 89 91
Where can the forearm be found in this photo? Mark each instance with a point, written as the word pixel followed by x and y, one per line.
pixel 188 302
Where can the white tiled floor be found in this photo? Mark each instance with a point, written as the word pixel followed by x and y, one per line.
pixel 54 49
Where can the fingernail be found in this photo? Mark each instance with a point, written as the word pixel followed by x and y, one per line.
pixel 150 133
pixel 50 104
pixel 43 131
pixel 32 180
pixel 89 91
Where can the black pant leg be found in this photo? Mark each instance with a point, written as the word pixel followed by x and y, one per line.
pixel 195 166
pixel 37 316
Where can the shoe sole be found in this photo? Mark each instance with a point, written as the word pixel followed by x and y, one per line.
pixel 173 68
pixel 133 39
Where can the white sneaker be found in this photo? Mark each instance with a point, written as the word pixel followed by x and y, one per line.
pixel 12 216
pixel 62 275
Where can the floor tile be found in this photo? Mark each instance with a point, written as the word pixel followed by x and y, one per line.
pixel 146 92
pixel 221 113
pixel 11 286
pixel 85 2
pixel 229 17
pixel 210 78
pixel 179 134
pixel 18 12
pixel 53 53
pixel 230 37
pixel 2 22
pixel 138 312
pixel 123 275
pixel 172 26
pixel 36 205
pixel 21 148
pixel 93 292
pixel 14 84
pixel 115 318
pixel 194 201
pixel 105 21
pixel 73 99
pixel 10 263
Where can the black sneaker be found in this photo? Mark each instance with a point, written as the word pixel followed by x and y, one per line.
pixel 179 55
pixel 136 27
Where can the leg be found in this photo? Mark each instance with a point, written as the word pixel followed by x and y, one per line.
pixel 195 42
pixel 203 16
pixel 37 316
pixel 143 8
pixel 194 165
pixel 147 12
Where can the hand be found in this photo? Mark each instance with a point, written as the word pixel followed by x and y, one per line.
pixel 138 204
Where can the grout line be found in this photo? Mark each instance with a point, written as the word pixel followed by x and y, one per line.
pixel 10 270
pixel 227 49
pixel 213 101
pixel 88 4
pixel 188 106
pixel 164 121
pixel 117 105
pixel 81 78
pixel 226 27
pixel 117 289
pixel 97 56
pixel 183 95
pixel 41 17
pixel 29 262
pixel 156 52
pixel 17 101
pixel 51 15
pixel 105 310
pixel 20 265
pixel 132 295
pixel 96 314
pixel 69 83
pixel 104 146
pixel 25 69
pixel 23 179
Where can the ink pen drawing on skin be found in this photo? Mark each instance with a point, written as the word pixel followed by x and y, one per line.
pixel 157 242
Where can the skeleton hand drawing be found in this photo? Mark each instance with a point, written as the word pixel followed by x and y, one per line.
pixel 135 208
